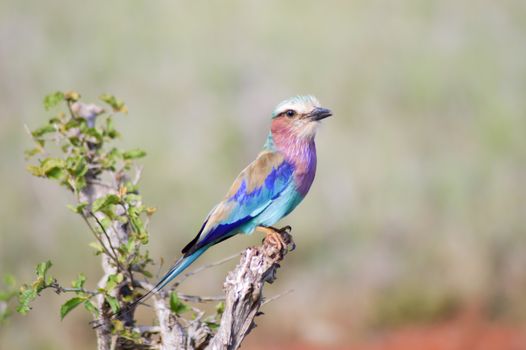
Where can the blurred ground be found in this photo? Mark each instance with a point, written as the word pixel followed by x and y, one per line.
pixel 418 207
pixel 467 330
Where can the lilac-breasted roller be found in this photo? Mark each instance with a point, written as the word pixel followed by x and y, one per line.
pixel 268 189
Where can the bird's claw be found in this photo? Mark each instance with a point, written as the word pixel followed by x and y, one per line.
pixel 285 229
pixel 291 246
pixel 276 237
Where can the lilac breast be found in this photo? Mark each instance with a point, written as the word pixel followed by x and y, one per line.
pixel 304 159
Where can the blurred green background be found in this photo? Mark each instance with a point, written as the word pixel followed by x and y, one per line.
pixel 418 208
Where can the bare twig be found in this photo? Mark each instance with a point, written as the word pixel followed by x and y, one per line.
pixel 147 329
pixel 200 299
pixel 99 183
pixel 277 296
pixel 41 149
pixel 205 267
pixel 191 298
pixel 138 174
pixel 70 110
pixel 59 289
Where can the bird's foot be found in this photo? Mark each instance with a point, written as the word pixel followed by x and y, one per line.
pixel 275 237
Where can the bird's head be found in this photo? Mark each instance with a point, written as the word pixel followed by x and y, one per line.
pixel 298 117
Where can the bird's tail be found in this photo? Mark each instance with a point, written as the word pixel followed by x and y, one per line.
pixel 174 271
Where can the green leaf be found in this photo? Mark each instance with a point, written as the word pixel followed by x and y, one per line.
pixel 126 248
pixel 138 226
pixel 91 308
pixel 112 301
pixel 43 268
pixel 31 152
pixel 103 202
pixel 80 183
pixel 38 285
pixel 79 282
pixel 77 166
pixel 176 305
pixel 94 136
pixel 132 198
pixel 70 305
pixel 53 167
pixel 220 308
pixel 53 99
pixel 118 326
pixel 74 123
pixel 110 130
pixel 42 280
pixel 116 105
pixel 109 159
pixel 214 326
pixel 35 170
pixel 55 173
pixel 113 281
pixel 78 209
pixel 26 296
pixel 146 273
pixel 133 154
pixel 98 247
pixel 46 129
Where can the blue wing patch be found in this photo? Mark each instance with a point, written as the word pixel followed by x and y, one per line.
pixel 272 176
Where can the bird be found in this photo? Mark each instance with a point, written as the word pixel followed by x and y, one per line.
pixel 267 190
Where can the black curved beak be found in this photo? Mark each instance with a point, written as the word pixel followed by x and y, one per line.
pixel 320 113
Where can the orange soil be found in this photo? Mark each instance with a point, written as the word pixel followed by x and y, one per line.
pixel 463 333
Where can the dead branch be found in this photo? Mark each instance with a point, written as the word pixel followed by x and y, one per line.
pixel 244 292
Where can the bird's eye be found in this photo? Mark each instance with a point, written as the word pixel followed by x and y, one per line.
pixel 290 113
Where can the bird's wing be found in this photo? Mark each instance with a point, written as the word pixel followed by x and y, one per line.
pixel 253 190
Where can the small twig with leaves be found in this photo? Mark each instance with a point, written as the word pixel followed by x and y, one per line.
pixel 59 289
